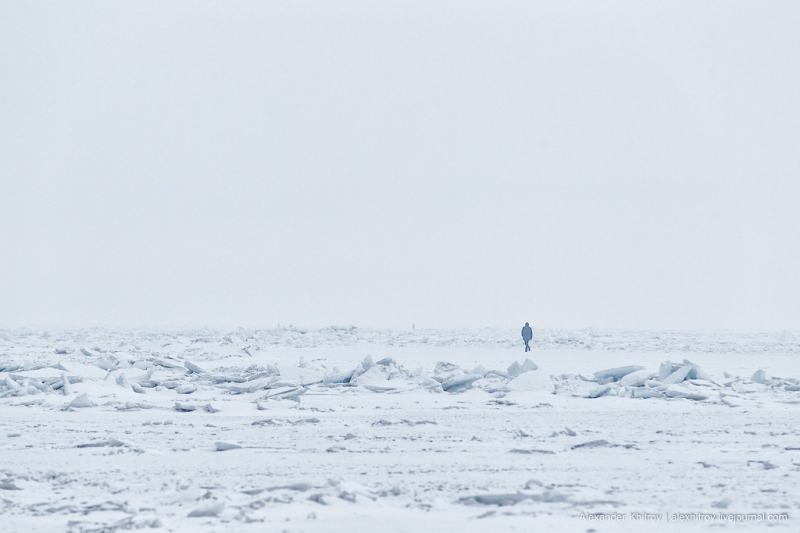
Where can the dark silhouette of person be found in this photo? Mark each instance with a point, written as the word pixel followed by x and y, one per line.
pixel 527 335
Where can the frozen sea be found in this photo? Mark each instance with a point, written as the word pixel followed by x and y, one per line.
pixel 346 429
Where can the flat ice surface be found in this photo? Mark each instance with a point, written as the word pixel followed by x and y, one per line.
pixel 342 429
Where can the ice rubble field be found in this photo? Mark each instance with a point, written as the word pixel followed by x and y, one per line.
pixel 341 429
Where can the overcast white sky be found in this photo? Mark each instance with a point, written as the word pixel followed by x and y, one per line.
pixel 623 164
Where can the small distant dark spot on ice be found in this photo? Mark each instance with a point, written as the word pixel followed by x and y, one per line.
pixel 8 486
pixel 347 496
pixel 318 498
pixel 349 436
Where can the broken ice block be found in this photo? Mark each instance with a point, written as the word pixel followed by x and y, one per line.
pixel 615 374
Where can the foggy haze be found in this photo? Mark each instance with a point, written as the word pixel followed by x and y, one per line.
pixel 570 164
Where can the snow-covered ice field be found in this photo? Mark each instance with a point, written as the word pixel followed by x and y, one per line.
pixel 343 429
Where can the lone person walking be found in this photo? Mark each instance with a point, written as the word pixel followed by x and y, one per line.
pixel 527 335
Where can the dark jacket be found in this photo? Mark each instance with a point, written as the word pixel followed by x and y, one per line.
pixel 527 333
